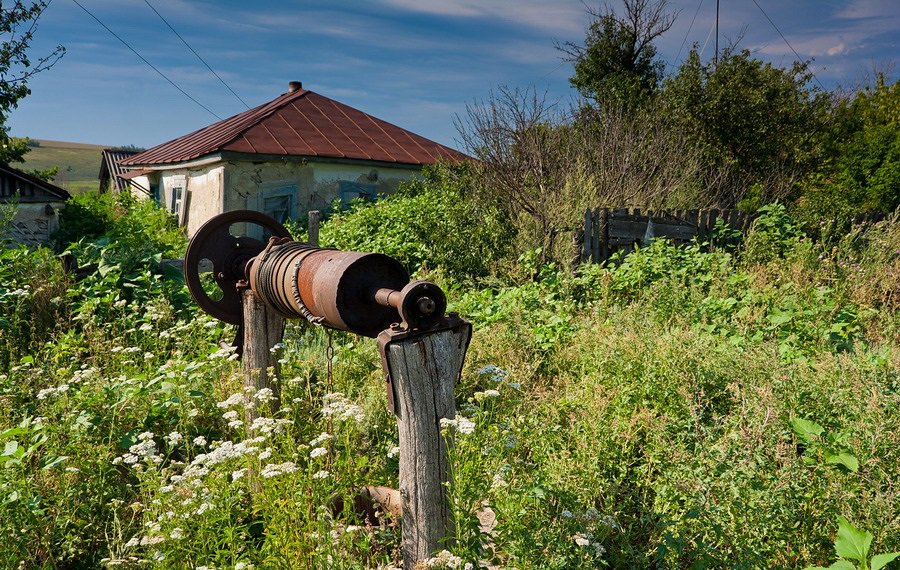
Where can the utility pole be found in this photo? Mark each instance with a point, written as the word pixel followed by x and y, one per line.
pixel 716 58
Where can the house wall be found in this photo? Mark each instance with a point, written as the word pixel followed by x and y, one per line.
pixel 238 185
pixel 143 182
pixel 32 224
pixel 201 193
pixel 317 183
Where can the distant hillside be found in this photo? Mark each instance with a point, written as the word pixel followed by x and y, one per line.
pixel 79 163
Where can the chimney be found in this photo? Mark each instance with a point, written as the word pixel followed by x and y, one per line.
pixel 294 86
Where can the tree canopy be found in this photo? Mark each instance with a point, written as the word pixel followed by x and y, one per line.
pixel 18 24
pixel 618 62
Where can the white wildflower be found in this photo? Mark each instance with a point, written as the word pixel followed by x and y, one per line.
pixel 174 438
pixel 199 441
pixel 265 454
pixel 393 452
pixel 340 408
pixel 318 452
pixel 323 474
pixel 235 475
pixel 583 538
pixel 232 400
pixel 444 559
pixel 320 439
pixel 465 425
pixel 265 395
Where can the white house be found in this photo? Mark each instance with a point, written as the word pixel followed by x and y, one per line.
pixel 295 153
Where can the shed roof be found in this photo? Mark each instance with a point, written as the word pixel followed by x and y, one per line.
pixel 302 123
pixel 28 188
pixel 110 169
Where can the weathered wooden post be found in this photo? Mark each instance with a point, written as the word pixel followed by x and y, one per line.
pixel 315 218
pixel 421 370
pixel 262 335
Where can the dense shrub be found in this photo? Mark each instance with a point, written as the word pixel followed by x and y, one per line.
pixel 429 223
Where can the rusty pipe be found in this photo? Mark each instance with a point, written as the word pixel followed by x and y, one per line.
pixel 363 293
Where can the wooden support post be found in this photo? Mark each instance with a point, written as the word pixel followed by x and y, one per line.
pixel 588 233
pixel 263 330
pixel 595 236
pixel 315 217
pixel 423 370
pixel 603 234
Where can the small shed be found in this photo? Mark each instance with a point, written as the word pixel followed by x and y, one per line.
pixel 298 152
pixel 116 178
pixel 37 203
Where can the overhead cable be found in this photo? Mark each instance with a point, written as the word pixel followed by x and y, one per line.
pixel 196 54
pixel 142 58
pixel 787 42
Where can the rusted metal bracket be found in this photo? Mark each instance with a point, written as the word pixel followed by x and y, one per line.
pixel 397 333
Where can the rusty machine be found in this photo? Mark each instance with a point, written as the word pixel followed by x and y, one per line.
pixel 369 294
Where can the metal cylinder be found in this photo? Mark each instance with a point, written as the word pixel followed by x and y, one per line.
pixel 333 288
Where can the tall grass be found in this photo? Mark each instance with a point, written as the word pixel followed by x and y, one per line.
pixel 643 414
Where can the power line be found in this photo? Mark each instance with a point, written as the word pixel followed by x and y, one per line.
pixel 787 42
pixel 142 58
pixel 196 54
pixel 688 31
pixel 706 41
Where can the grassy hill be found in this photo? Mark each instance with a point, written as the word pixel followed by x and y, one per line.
pixel 79 163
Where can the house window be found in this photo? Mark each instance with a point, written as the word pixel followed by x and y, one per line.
pixel 154 191
pixel 356 190
pixel 175 198
pixel 279 202
pixel 279 207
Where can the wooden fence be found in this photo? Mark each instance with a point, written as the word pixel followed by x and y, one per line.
pixel 606 231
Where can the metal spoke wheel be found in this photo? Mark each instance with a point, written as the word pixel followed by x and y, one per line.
pixel 216 250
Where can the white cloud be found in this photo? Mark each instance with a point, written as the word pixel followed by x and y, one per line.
pixel 557 17
pixel 860 9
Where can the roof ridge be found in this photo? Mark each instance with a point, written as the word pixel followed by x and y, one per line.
pixel 274 104
pixel 301 123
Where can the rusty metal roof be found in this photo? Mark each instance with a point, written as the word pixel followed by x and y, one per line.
pixel 302 123
pixel 110 169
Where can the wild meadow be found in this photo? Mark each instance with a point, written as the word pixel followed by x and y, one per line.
pixel 728 404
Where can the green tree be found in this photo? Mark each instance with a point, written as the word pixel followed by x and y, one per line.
pixel 18 24
pixel 764 123
pixel 863 171
pixel 618 62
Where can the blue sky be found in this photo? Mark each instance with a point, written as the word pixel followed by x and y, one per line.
pixel 415 63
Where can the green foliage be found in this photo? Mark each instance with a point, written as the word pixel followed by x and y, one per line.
pixel 758 120
pixel 429 223
pixel 774 235
pixel 864 174
pixel 618 63
pixel 683 407
pixel 852 546
pixel 830 446
pixel 136 228
pixel 17 27
pixel 86 216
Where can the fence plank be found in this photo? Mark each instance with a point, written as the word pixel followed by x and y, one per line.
pixel 586 241
pixel 603 234
pixel 690 216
